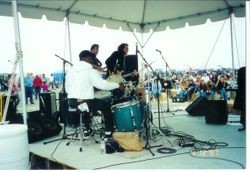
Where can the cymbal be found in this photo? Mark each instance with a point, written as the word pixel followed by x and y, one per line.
pixel 149 80
pixel 145 66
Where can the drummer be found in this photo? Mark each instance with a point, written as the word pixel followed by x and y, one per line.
pixel 80 80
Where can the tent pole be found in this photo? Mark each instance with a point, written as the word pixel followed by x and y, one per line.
pixel 20 59
pixel 142 62
pixel 247 51
pixel 232 43
pixel 69 38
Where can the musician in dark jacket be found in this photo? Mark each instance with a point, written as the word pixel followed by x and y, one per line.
pixel 116 62
pixel 95 49
pixel 240 99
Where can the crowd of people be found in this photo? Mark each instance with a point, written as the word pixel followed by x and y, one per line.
pixel 206 83
pixel 34 85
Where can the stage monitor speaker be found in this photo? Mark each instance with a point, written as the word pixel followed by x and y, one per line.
pixel 216 112
pixel 198 107
pixel 47 103
pixel 11 109
pixel 39 126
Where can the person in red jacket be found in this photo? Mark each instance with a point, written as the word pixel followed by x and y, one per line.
pixel 37 83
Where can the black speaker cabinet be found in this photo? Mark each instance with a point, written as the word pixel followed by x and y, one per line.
pixel 70 118
pixel 47 103
pixel 40 126
pixel 131 62
pixel 216 112
pixel 63 107
pixel 198 107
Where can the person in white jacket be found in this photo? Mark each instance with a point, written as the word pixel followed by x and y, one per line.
pixel 79 84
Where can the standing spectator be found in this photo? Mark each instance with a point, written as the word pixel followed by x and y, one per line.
pixel 37 85
pixel 44 87
pixel 14 91
pixel 28 84
pixel 44 79
pixel 51 81
pixel 156 92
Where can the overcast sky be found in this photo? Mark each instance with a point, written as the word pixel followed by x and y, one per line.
pixel 182 48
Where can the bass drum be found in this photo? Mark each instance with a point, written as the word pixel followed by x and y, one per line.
pixel 128 116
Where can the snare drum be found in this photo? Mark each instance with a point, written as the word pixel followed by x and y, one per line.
pixel 127 116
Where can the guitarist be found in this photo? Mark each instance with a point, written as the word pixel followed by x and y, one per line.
pixel 116 65
pixel 116 62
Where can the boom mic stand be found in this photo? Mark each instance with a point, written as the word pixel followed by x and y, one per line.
pixel 168 87
pixel 147 146
pixel 64 104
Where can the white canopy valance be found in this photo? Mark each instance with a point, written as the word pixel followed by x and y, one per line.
pixel 141 15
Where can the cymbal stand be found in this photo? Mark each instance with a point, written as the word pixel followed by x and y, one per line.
pixel 64 136
pixel 146 116
pixel 167 86
pixel 159 129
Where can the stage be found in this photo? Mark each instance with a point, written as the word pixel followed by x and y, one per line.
pixel 232 156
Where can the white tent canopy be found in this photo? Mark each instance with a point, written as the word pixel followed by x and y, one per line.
pixel 141 15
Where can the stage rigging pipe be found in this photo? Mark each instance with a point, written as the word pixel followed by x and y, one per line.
pixel 232 43
pixel 20 57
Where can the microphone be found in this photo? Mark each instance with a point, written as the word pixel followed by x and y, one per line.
pixel 10 62
pixel 158 50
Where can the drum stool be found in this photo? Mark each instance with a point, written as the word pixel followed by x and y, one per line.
pixel 82 108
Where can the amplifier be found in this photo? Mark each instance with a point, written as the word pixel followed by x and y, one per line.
pixel 47 103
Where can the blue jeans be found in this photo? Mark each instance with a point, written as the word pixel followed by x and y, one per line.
pixel 223 94
pixel 29 93
pixel 206 94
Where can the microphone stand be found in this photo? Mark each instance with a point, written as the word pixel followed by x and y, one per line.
pixel 64 104
pixel 147 146
pixel 168 87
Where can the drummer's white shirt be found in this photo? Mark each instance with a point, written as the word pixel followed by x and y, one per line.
pixel 80 80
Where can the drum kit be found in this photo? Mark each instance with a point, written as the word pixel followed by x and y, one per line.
pixel 126 106
pixel 129 106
